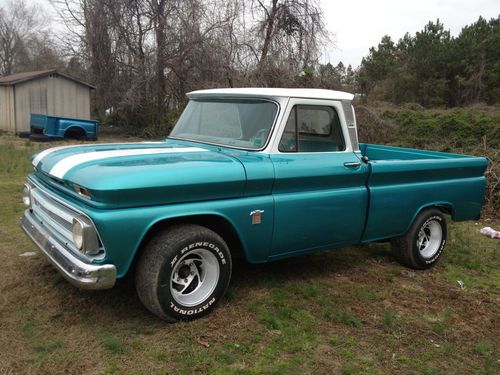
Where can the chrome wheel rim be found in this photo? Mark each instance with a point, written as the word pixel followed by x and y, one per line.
pixel 429 239
pixel 194 277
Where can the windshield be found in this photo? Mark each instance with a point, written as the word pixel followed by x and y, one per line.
pixel 238 123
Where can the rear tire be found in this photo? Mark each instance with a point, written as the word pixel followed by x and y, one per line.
pixel 23 134
pixel 39 138
pixel 423 244
pixel 183 272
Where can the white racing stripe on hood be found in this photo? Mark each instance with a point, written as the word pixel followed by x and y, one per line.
pixel 48 151
pixel 63 166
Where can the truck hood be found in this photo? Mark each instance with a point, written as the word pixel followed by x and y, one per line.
pixel 146 173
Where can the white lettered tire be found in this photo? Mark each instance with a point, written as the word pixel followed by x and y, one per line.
pixel 183 272
pixel 423 244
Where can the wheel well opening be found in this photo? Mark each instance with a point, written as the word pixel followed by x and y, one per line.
pixel 446 209
pixel 75 132
pixel 213 222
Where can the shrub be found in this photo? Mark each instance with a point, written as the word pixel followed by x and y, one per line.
pixel 474 131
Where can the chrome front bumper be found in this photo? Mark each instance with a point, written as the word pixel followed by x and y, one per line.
pixel 81 274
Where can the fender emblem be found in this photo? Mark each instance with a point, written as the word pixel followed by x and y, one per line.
pixel 256 216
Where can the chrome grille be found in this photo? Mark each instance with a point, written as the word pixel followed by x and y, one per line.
pixel 55 217
pixel 67 225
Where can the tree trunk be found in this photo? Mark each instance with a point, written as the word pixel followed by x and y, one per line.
pixel 160 50
pixel 271 18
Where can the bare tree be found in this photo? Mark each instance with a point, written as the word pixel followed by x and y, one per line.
pixel 19 24
pixel 159 11
pixel 291 31
pixel 98 46
pixel 145 55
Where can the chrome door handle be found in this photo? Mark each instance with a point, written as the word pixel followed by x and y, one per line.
pixel 353 164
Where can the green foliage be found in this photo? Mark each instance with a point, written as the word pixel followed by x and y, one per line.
pixel 382 60
pixel 489 352
pixel 28 328
pixel 388 318
pixel 434 69
pixel 364 293
pixel 15 160
pixel 484 348
pixel 472 130
pixel 441 324
pixel 113 344
pixel 48 346
pixel 336 77
pixel 350 319
pixel 334 341
pixel 466 129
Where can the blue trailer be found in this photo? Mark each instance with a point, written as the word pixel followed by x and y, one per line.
pixel 44 127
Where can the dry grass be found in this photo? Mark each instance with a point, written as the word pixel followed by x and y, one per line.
pixel 350 311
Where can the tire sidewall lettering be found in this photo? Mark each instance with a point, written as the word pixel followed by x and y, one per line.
pixel 185 311
pixel 164 295
pixel 438 253
pixel 200 245
pixel 434 258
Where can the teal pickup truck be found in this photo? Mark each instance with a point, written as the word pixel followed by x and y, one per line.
pixel 261 173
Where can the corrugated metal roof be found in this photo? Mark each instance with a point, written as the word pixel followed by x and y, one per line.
pixel 14 79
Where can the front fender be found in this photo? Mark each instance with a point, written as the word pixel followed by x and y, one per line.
pixel 122 230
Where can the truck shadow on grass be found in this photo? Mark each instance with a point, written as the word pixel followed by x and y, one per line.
pixel 121 302
pixel 309 267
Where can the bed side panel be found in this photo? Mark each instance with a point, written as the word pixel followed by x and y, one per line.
pixel 399 189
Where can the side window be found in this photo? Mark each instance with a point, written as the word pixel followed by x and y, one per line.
pixel 312 129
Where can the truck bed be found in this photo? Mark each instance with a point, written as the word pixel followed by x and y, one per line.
pixel 403 181
pixel 45 126
pixel 385 153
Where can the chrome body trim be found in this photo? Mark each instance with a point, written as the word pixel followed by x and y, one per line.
pixel 79 273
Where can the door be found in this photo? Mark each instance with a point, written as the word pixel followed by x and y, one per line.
pixel 319 192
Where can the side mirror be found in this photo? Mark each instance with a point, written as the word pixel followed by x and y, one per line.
pixel 365 159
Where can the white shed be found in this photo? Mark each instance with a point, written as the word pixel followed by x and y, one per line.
pixel 47 92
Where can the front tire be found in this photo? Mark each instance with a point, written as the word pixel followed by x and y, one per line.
pixel 423 244
pixel 183 272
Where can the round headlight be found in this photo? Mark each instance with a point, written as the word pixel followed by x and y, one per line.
pixel 85 236
pixel 27 195
pixel 78 234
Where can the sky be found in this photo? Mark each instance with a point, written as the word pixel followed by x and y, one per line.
pixel 358 25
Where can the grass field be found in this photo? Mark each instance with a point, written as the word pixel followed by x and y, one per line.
pixel 349 311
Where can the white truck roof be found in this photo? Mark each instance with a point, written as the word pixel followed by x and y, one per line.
pixel 273 92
